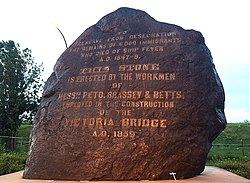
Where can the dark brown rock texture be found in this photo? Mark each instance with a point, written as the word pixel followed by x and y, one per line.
pixel 131 99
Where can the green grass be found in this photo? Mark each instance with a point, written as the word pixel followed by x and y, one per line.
pixel 239 166
pixel 24 131
pixel 231 149
pixel 23 142
pixel 233 133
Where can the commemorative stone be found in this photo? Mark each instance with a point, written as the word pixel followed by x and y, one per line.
pixel 131 99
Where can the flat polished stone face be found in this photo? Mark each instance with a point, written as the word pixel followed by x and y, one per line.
pixel 130 99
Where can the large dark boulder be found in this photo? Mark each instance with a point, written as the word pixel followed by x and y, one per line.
pixel 130 99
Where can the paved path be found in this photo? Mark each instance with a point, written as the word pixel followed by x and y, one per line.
pixel 210 175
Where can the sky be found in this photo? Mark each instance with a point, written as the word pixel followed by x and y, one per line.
pixel 224 25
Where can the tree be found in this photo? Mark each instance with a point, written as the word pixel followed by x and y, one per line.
pixel 20 85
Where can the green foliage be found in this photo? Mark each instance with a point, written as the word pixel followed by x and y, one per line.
pixel 20 85
pixel 12 162
pixel 2 149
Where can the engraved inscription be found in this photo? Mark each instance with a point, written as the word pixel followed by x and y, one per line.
pixel 117 105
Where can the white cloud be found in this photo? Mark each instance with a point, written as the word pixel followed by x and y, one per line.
pixel 237 114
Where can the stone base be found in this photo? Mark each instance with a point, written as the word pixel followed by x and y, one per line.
pixel 210 175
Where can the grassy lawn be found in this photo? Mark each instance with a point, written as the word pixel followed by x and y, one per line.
pixel 230 151
pixel 24 131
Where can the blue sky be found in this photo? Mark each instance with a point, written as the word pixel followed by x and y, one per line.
pixel 224 24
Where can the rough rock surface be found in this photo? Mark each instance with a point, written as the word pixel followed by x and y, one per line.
pixel 130 99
